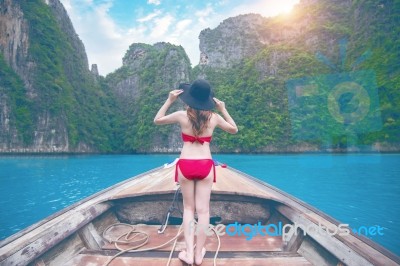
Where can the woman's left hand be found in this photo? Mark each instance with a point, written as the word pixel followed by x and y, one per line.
pixel 173 95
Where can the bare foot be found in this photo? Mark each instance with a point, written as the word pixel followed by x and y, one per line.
pixel 198 258
pixel 185 257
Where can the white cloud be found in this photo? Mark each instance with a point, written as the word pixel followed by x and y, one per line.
pixel 182 25
pixel 205 14
pixel 106 42
pixel 154 2
pixel 161 26
pixel 149 16
pixel 137 31
pixel 181 33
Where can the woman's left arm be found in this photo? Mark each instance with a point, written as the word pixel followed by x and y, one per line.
pixel 161 118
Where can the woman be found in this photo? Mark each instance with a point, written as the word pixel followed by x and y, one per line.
pixel 195 168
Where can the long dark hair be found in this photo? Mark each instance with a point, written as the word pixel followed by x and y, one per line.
pixel 199 120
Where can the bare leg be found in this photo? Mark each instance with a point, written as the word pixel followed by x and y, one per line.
pixel 187 189
pixel 202 201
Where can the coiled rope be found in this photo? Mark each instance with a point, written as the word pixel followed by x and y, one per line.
pixel 132 237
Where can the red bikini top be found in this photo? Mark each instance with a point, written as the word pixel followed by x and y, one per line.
pixel 192 139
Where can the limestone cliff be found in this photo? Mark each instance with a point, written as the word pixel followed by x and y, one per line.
pixel 234 39
pixel 14 41
pixel 51 102
pixel 244 36
pixel 143 64
pixel 252 61
pixel 43 69
pixel 141 86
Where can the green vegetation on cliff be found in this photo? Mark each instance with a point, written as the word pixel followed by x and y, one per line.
pixel 22 108
pixel 65 87
pixel 282 96
pixel 148 89
pixel 257 89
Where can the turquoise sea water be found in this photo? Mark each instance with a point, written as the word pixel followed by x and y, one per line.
pixel 357 189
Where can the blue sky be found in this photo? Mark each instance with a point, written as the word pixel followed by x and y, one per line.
pixel 108 27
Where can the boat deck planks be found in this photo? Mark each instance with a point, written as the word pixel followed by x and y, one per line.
pixel 230 250
pixel 93 260
pixel 228 243
pixel 233 182
pixel 163 181
pixel 160 181
pixel 265 250
pixel 86 219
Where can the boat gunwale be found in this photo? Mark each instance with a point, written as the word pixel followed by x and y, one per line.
pixel 51 217
pixel 384 251
pixel 281 200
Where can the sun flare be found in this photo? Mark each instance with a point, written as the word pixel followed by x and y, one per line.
pixel 281 6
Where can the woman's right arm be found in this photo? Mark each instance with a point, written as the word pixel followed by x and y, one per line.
pixel 161 118
pixel 226 122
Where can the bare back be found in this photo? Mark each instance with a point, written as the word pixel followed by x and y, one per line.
pixel 197 150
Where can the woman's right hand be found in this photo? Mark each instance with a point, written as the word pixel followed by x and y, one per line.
pixel 173 95
pixel 220 105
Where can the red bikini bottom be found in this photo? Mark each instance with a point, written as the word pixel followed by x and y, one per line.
pixel 194 169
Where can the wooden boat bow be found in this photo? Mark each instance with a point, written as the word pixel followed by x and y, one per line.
pixel 73 236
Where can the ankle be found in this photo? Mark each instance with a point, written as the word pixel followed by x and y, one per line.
pixel 198 258
pixel 198 253
pixel 186 257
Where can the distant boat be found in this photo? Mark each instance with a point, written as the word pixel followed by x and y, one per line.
pixel 83 233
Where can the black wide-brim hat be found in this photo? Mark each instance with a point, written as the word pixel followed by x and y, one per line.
pixel 197 95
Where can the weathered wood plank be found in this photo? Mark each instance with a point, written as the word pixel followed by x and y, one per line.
pixel 370 250
pixel 32 231
pixel 294 242
pixel 90 237
pixel 342 251
pixel 105 220
pixel 228 243
pixel 316 254
pixel 163 181
pixel 67 249
pixel 154 183
pixel 235 183
pixel 94 260
pixel 49 237
pixel 160 181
